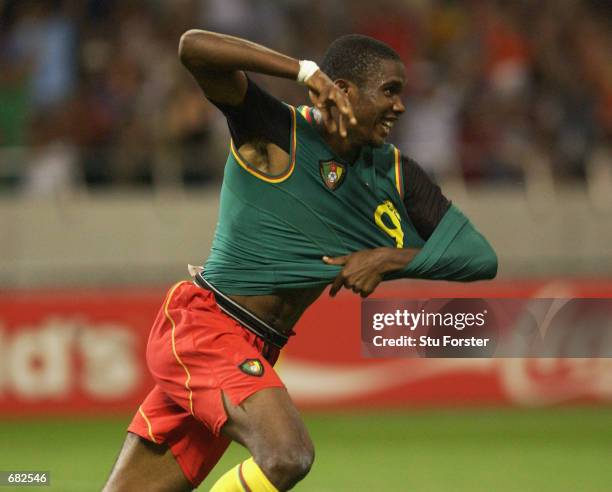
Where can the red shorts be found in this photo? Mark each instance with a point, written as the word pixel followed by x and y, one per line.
pixel 195 352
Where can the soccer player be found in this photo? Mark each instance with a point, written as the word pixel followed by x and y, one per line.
pixel 311 196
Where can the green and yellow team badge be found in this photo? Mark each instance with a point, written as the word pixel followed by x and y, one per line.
pixel 252 367
pixel 332 173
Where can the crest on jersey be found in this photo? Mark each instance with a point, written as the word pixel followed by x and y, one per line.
pixel 252 367
pixel 332 173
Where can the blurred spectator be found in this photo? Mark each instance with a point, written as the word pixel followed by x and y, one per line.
pixel 14 98
pixel 51 165
pixel 236 17
pixel 432 118
pixel 189 129
pixel 43 36
pixel 391 22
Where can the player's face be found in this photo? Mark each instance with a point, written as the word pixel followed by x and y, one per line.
pixel 378 104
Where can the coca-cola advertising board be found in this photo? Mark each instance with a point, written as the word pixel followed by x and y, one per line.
pixel 82 352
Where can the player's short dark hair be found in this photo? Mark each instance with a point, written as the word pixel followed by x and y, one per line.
pixel 356 58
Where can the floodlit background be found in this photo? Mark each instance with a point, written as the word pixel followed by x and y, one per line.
pixel 110 167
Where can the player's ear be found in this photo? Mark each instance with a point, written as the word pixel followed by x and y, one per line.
pixel 344 85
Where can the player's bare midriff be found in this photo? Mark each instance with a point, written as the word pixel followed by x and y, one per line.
pixel 281 310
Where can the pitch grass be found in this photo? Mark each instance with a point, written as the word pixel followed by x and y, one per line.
pixel 421 451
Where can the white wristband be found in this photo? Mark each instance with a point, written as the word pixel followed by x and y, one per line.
pixel 307 68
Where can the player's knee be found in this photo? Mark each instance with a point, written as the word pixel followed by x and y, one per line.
pixel 286 467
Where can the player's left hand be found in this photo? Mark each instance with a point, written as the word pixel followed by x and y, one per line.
pixel 363 270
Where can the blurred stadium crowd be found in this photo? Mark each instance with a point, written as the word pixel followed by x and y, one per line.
pixel 92 92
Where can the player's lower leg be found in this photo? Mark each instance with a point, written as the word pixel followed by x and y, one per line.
pixel 247 476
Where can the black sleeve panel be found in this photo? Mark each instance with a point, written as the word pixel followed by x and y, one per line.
pixel 423 199
pixel 260 115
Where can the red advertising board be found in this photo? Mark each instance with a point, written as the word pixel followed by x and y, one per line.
pixel 74 351
pixel 83 352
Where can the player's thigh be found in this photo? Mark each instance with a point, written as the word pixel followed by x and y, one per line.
pixel 143 465
pixel 267 421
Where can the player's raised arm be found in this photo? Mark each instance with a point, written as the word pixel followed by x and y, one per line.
pixel 218 61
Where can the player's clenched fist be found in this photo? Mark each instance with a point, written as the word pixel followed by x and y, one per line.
pixel 326 96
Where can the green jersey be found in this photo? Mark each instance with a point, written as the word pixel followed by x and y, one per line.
pixel 274 230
